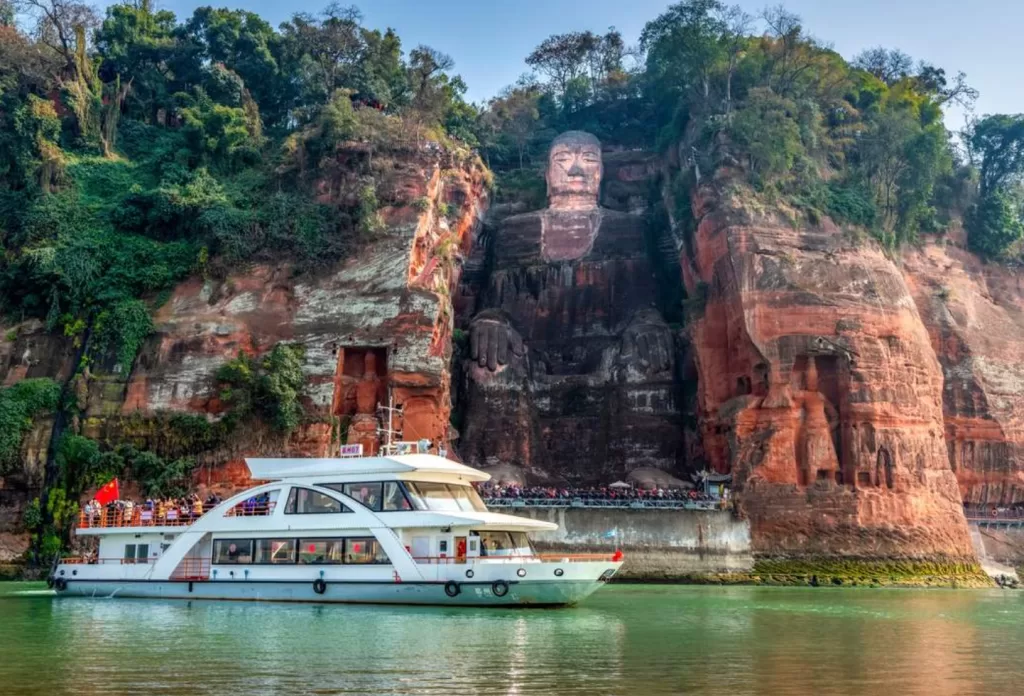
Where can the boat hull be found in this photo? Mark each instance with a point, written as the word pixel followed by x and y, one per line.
pixel 523 593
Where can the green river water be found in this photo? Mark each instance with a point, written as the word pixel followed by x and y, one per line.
pixel 626 639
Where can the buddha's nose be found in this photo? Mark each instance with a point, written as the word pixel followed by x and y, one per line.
pixel 576 169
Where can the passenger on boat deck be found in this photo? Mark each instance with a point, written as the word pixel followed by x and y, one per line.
pixel 234 552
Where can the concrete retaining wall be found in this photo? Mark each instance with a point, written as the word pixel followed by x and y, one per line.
pixel 659 544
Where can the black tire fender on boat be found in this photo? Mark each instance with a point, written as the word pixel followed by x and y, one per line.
pixel 61 584
pixel 452 589
pixel 319 586
pixel 499 588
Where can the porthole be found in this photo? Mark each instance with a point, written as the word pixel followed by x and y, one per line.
pixel 559 572
pixel 470 573
pixel 521 572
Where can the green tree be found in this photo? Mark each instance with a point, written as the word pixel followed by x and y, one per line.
pixel 248 46
pixel 767 132
pixel 139 47
pixel 997 142
pixel 686 46
pixel 994 224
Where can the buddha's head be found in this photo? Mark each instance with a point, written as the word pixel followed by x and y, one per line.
pixel 574 171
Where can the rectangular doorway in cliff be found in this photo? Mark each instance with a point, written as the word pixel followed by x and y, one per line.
pixel 360 380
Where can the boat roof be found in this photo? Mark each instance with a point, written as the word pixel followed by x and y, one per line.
pixel 398 466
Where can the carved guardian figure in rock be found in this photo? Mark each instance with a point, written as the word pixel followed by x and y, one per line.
pixel 570 366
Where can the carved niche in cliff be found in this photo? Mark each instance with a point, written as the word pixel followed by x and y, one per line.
pixel 360 385
pixel 571 364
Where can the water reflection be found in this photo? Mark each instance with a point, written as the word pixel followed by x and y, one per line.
pixel 625 640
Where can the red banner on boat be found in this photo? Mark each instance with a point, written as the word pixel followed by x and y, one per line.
pixel 108 493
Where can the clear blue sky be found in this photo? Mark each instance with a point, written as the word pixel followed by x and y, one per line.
pixel 489 38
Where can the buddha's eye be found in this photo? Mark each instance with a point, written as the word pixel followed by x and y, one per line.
pixel 591 157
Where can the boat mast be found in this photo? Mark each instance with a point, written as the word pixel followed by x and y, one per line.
pixel 389 432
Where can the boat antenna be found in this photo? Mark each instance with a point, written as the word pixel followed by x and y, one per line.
pixel 389 432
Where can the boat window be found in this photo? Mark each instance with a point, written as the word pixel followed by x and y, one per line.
pixel 394 497
pixel 443 497
pixel 505 544
pixel 321 551
pixel 275 551
pixel 129 552
pixel 367 550
pixel 379 497
pixel 232 551
pixel 303 501
pixel 367 494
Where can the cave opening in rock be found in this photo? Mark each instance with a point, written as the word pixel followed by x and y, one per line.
pixel 360 386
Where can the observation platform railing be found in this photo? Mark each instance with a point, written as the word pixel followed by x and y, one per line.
pixel 518 558
pixel 989 516
pixel 617 503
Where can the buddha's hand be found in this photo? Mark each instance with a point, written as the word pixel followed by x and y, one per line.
pixel 647 343
pixel 493 343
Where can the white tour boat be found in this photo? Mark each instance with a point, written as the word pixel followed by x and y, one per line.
pixel 404 529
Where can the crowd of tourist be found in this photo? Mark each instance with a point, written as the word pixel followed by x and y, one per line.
pixel 154 511
pixel 495 491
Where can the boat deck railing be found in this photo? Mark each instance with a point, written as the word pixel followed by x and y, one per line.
pixel 89 560
pixel 142 517
pixel 619 503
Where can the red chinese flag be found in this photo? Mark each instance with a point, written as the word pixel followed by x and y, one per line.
pixel 108 493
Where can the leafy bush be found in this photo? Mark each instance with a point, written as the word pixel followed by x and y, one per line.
pixel 19 404
pixel 766 131
pixel 123 329
pixel 851 203
pixel 158 477
pixel 993 225
pixel 82 465
pixel 268 388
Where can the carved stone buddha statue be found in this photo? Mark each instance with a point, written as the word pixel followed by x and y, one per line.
pixel 568 352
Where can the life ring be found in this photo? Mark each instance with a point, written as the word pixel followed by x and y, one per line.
pixel 995 513
pixel 452 589
pixel 61 584
pixel 500 588
pixel 319 586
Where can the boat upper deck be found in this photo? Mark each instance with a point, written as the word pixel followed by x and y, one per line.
pixel 162 515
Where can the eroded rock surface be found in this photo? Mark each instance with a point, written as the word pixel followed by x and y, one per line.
pixel 819 389
pixel 381 317
pixel 974 314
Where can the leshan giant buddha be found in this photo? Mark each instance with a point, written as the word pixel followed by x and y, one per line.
pixel 571 365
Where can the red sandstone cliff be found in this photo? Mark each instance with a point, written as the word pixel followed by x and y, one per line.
pixel 388 303
pixel 974 314
pixel 818 387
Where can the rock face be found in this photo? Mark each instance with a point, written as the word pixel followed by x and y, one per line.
pixel 818 389
pixel 570 371
pixel 974 314
pixel 376 323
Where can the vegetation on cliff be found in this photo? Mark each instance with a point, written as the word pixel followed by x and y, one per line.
pixel 137 149
pixel 863 141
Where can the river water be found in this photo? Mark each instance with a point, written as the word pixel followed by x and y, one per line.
pixel 625 639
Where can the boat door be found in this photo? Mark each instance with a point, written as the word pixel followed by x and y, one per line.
pixel 460 549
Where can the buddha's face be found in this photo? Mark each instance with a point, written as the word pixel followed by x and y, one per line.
pixel 574 174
